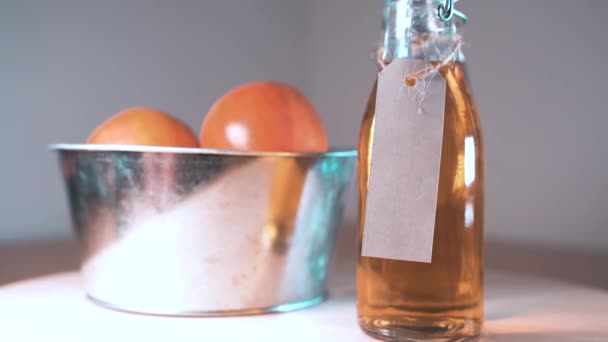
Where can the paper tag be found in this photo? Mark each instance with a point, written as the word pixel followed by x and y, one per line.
pixel 406 155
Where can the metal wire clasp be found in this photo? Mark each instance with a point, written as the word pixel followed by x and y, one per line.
pixel 446 11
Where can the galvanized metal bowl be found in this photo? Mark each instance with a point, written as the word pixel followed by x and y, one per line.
pixel 179 231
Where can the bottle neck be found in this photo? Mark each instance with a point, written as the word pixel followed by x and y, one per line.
pixel 413 29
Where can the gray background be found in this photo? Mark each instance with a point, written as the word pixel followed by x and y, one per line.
pixel 537 68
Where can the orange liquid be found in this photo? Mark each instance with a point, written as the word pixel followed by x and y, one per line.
pixel 443 300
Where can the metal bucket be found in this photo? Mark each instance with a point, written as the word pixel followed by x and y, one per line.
pixel 177 231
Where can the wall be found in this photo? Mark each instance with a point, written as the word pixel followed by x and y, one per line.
pixel 536 68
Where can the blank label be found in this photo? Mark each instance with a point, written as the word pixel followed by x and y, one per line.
pixel 406 155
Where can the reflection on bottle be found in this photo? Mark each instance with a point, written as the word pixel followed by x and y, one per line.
pixel 469 216
pixel 469 161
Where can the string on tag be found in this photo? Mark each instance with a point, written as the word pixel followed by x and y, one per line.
pixel 410 79
pixel 417 82
pixel 433 69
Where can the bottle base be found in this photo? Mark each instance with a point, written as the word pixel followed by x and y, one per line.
pixel 421 328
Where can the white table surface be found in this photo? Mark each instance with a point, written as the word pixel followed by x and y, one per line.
pixel 518 308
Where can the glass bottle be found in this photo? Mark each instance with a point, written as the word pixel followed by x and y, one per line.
pixel 442 300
